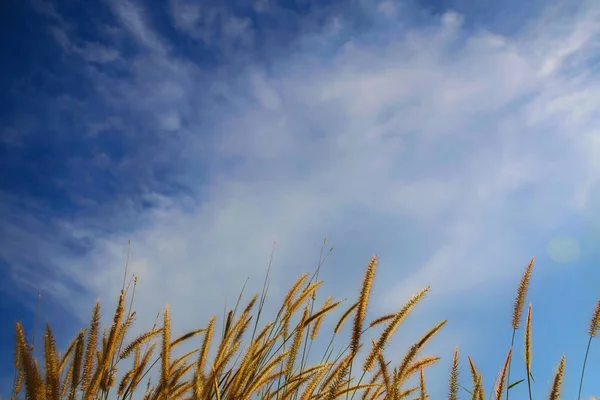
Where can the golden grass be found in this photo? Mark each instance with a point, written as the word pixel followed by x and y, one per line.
pixel 390 328
pixel 528 354
pixel 361 308
pixel 478 392
pixel 557 383
pixel 453 385
pixel 271 365
pixel 519 304
pixel 521 295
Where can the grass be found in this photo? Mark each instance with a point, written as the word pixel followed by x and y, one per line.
pixel 255 360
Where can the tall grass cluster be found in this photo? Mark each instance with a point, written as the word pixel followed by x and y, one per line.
pixel 256 360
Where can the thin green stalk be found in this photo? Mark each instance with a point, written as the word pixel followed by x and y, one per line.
pixel 37 311
pixel 512 344
pixel 312 306
pixel 583 369
pixel 529 385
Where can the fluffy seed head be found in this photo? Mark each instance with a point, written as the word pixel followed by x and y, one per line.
pixel 595 322
pixel 521 295
pixel 557 383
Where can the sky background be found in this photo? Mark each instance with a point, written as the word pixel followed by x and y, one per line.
pixel 455 139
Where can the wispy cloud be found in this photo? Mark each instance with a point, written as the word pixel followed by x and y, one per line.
pixel 454 152
pixel 214 26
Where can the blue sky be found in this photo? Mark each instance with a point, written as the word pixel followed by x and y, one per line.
pixel 455 139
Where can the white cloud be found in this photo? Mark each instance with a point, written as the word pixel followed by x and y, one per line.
pixel 186 15
pixel 479 144
pixel 88 51
pixel 404 129
pixel 133 19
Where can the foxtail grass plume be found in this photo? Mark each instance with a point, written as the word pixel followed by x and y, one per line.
pixel 557 382
pixel 391 328
pixel 502 377
pixel 362 303
pixel 528 355
pixel 453 384
pixel 521 296
pixel 595 321
pixel 518 306
pixel 422 387
pixel 477 378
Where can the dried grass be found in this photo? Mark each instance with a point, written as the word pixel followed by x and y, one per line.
pixel 273 364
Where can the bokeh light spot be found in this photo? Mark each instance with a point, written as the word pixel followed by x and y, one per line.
pixel 563 249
